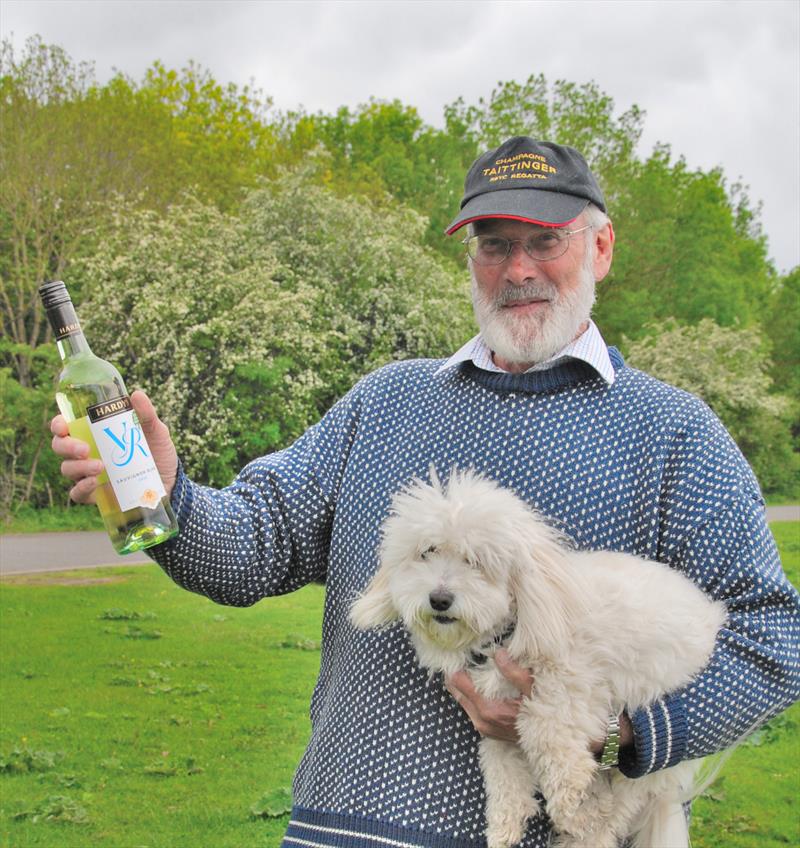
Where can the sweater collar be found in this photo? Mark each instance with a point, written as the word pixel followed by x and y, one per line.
pixel 588 348
pixel 568 372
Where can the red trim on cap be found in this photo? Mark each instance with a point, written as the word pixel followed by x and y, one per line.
pixel 510 218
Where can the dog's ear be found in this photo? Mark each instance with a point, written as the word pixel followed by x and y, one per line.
pixel 550 597
pixel 374 607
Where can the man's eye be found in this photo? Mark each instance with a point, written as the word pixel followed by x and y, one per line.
pixel 545 240
pixel 493 245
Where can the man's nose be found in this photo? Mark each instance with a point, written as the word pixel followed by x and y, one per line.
pixel 520 266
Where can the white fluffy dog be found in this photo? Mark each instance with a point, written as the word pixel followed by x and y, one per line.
pixel 464 564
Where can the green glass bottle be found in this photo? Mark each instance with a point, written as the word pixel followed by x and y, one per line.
pixel 92 397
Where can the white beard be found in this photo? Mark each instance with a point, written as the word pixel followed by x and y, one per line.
pixel 535 338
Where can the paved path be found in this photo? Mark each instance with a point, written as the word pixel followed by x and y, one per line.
pixel 26 553
pixel 783 513
pixel 29 552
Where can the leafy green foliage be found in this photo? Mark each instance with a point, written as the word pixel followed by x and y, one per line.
pixel 273 804
pixel 309 266
pixel 29 472
pixel 244 329
pixel 728 367
pixel 56 808
pixel 684 251
pixel 23 760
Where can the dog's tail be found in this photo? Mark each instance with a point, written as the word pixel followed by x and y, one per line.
pixel 666 823
pixel 665 826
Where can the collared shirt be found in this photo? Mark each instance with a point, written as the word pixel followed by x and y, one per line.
pixel 589 347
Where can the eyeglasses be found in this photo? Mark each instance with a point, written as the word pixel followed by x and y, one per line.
pixel 543 245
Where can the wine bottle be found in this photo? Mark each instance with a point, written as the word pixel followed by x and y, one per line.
pixel 92 397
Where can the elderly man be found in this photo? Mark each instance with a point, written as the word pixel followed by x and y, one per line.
pixel 539 403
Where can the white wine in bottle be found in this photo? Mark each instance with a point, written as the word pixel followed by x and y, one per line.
pixel 92 397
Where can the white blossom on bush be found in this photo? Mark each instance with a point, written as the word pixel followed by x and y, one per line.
pixel 244 329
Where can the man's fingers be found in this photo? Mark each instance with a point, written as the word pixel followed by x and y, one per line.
pixel 516 674
pixel 58 426
pixel 77 469
pixel 157 434
pixel 460 686
pixel 83 491
pixel 145 411
pixel 69 448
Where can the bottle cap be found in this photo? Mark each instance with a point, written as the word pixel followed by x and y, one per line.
pixel 54 293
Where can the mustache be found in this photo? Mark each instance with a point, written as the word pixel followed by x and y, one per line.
pixel 530 291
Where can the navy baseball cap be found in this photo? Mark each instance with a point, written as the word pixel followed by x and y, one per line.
pixel 527 180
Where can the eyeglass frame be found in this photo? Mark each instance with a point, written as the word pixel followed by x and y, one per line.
pixel 511 242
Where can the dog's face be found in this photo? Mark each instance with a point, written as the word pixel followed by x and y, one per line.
pixel 446 567
pixel 445 595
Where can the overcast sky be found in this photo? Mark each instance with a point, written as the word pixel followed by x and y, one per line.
pixel 719 81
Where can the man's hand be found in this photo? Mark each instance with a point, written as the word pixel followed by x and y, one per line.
pixel 83 471
pixel 497 718
pixel 494 718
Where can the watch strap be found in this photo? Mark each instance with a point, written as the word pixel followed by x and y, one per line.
pixel 610 757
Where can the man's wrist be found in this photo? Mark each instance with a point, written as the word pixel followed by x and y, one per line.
pixel 619 736
pixel 609 756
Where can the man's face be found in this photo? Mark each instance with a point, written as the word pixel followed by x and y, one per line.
pixel 527 309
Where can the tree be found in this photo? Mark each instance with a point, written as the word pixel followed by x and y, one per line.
pixel 383 149
pixel 245 328
pixel 728 367
pixel 686 248
pixel 68 146
pixel 783 327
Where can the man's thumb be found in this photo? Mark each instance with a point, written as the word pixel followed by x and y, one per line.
pixel 145 411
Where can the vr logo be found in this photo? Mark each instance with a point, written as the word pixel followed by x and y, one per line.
pixel 126 444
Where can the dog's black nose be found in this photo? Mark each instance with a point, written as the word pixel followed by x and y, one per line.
pixel 441 600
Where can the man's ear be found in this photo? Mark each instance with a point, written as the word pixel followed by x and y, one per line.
pixel 603 251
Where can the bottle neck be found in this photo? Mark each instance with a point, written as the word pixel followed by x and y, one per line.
pixel 72 345
pixel 67 329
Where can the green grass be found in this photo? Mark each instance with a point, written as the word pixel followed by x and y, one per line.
pixel 136 714
pixel 163 716
pixel 753 803
pixel 30 520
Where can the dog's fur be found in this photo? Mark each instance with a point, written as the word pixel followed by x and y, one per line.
pixel 600 631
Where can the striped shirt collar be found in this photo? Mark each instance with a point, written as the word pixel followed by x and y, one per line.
pixel 589 347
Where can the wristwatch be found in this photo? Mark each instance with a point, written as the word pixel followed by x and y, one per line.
pixel 610 757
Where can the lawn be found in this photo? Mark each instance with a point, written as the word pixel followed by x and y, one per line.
pixel 136 714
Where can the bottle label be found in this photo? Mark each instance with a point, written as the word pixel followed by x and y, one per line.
pixel 64 321
pixel 125 453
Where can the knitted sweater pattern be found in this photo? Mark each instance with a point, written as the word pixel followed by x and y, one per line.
pixel 636 466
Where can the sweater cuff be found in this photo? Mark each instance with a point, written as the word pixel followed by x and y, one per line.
pixel 181 501
pixel 660 733
pixel 182 496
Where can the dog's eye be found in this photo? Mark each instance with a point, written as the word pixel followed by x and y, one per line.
pixel 429 552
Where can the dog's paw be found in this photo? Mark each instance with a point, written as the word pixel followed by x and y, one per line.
pixel 567 790
pixel 593 840
pixel 506 827
pixel 499 837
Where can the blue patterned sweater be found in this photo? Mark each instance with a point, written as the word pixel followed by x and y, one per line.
pixel 634 466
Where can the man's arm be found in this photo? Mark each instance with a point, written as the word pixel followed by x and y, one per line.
pixel 752 675
pixel 265 534
pixel 497 718
pixel 754 671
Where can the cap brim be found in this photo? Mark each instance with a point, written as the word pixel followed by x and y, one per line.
pixel 524 204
